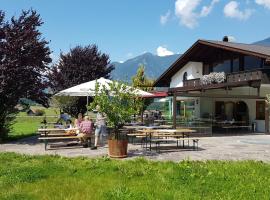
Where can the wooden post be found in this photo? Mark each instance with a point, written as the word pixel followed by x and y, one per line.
pixel 174 110
pixel 267 118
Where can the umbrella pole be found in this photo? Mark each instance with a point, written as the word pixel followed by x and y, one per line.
pixel 87 105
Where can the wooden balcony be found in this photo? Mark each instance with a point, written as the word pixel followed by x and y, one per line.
pixel 237 79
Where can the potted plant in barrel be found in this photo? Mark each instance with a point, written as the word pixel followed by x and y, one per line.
pixel 118 102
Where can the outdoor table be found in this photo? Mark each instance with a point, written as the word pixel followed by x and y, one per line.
pixel 169 132
pixel 141 127
pixel 60 131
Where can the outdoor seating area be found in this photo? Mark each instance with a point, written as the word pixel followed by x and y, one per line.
pixel 49 135
pixel 134 99
pixel 146 136
pixel 149 136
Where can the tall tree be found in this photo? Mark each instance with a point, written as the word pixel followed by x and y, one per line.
pixel 24 60
pixel 81 64
pixel 141 81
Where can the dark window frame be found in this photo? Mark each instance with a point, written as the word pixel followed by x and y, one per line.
pixel 260 115
pixel 185 76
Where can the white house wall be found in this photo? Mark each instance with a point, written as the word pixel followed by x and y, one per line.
pixel 193 69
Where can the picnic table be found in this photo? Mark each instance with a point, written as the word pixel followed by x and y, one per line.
pixel 175 134
pixel 58 134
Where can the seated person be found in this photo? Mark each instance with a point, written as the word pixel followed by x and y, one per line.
pixel 78 121
pixel 63 117
pixel 86 128
pixel 69 124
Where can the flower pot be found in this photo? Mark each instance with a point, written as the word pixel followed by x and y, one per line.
pixel 117 148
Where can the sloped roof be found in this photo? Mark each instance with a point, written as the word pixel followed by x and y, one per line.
pixel 247 49
pixel 258 49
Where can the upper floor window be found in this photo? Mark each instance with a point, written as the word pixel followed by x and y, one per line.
pixel 223 67
pixel 236 65
pixel 185 76
pixel 251 62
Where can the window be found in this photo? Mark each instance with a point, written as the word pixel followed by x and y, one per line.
pixel 236 65
pixel 260 110
pixel 185 76
pixel 185 108
pixel 251 62
pixel 223 67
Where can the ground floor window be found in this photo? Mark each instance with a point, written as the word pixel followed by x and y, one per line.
pixel 185 109
pixel 260 110
pixel 232 111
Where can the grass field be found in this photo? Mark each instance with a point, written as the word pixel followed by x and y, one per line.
pixel 53 177
pixel 24 126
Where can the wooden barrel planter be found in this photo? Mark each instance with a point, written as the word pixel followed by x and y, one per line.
pixel 117 148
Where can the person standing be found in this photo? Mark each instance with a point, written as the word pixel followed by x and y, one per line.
pixel 100 127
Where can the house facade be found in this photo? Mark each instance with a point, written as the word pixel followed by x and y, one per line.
pixel 221 85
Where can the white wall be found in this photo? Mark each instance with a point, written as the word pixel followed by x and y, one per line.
pixel 193 69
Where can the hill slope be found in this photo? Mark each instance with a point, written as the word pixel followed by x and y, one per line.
pixel 265 42
pixel 154 66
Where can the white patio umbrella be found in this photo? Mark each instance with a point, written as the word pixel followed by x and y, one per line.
pixel 88 89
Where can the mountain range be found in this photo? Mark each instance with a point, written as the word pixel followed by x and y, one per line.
pixel 265 42
pixel 154 65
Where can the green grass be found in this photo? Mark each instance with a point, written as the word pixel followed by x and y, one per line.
pixel 25 126
pixel 54 177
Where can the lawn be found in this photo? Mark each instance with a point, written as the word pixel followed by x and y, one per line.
pixel 54 177
pixel 24 126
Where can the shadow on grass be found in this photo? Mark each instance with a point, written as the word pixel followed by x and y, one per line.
pixel 30 139
pixel 14 138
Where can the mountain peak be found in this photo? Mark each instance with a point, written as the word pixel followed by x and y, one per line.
pixel 154 66
pixel 265 42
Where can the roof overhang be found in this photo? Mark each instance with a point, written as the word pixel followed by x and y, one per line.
pixel 192 52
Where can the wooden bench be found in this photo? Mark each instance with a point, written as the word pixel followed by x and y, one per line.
pixel 236 127
pixel 157 141
pixel 46 139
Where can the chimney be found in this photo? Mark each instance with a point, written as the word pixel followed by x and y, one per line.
pixel 225 38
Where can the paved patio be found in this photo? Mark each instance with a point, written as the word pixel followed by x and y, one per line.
pixel 244 147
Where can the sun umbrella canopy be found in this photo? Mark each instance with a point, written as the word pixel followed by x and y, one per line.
pixel 88 89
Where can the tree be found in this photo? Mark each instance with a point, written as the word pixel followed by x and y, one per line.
pixel 24 61
pixel 141 81
pixel 81 64
pixel 118 102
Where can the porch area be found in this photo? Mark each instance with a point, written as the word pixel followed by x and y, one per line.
pixel 233 106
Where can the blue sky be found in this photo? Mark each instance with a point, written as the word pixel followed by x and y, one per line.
pixel 127 28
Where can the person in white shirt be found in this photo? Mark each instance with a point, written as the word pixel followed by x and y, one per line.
pixel 101 128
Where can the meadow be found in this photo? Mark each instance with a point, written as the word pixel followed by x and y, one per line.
pixel 54 177
pixel 25 126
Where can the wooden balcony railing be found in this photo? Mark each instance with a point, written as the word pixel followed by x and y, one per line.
pixel 235 79
pixel 244 76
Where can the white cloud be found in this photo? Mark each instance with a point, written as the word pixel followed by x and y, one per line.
pixel 265 3
pixel 207 9
pixel 232 10
pixel 185 10
pixel 121 61
pixel 163 51
pixel 232 39
pixel 129 55
pixel 164 18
